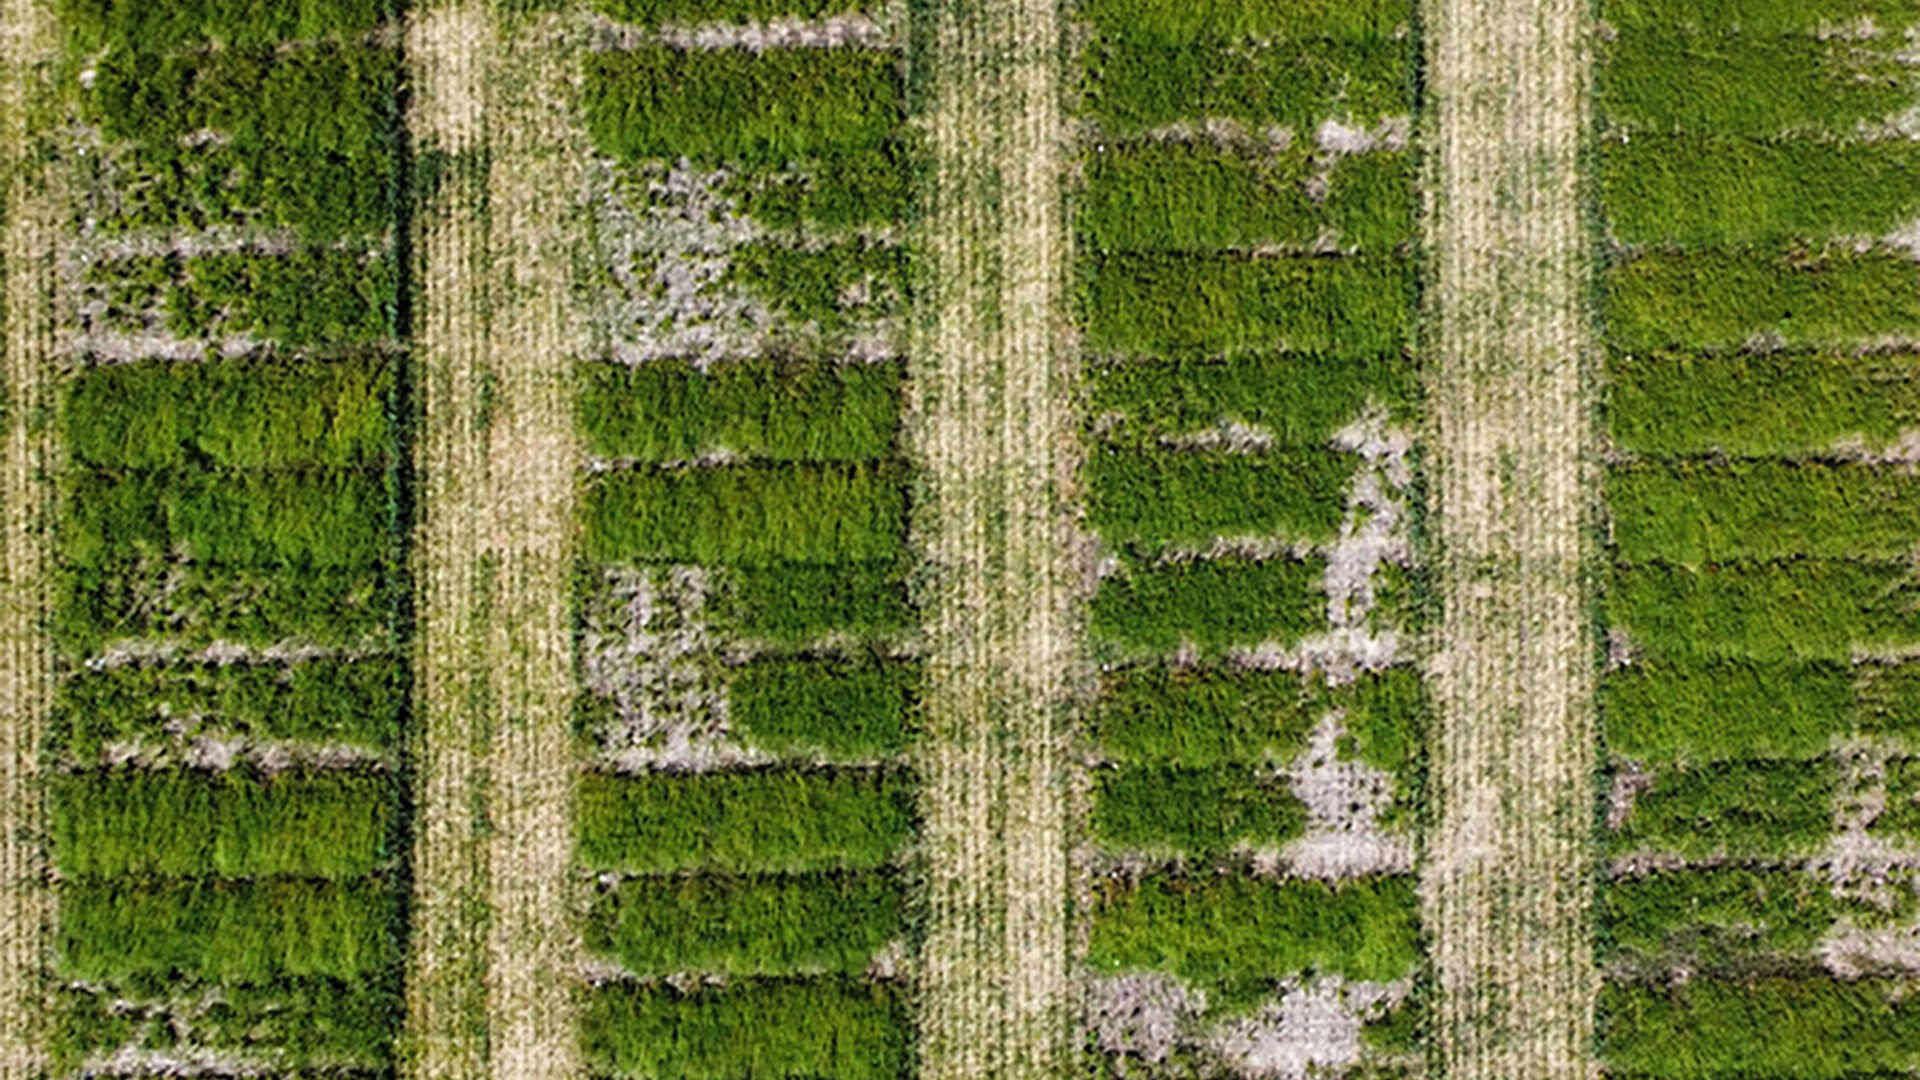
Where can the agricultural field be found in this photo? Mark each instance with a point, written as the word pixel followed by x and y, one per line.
pixel 1756 908
pixel 866 540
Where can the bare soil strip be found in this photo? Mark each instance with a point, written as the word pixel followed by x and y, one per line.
pixel 539 156
pixel 26 672
pixel 448 47
pixel 496 953
pixel 1509 861
pixel 993 383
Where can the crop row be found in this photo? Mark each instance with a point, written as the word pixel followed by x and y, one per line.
pixel 342 703
pixel 265 413
pixel 1752 405
pixel 1299 400
pixel 1739 85
pixel 776 408
pixel 324 824
pixel 1203 718
pixel 1174 304
pixel 1234 936
pixel 1815 1029
pixel 312 298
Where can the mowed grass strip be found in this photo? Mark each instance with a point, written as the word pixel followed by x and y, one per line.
pixel 1753 405
pixel 180 823
pixel 1691 191
pixel 1299 399
pixel 780 820
pixel 1803 610
pixel 776 408
pixel 748 514
pixel 744 926
pixel 846 1028
pixel 1175 304
pixel 1724 299
pixel 229 931
pixel 1692 513
pixel 273 413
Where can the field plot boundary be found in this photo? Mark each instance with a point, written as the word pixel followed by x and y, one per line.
pixel 26 673
pixel 992 392
pixel 495 946
pixel 1508 876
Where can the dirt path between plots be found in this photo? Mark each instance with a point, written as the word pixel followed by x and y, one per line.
pixel 447 50
pixel 993 392
pixel 28 46
pixel 1509 861
pixel 495 944
pixel 539 157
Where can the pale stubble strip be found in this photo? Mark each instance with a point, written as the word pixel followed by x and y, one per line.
pixel 993 394
pixel 448 45
pixel 26 674
pixel 1506 884
pixel 497 949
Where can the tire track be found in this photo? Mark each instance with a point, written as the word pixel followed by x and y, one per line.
pixel 1507 883
pixel 448 46
pixel 537 175
pixel 31 209
pixel 993 414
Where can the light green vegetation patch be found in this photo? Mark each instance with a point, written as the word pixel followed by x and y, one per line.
pixel 769 820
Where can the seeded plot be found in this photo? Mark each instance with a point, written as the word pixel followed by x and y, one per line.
pixel 1757 703
pixel 1245 229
